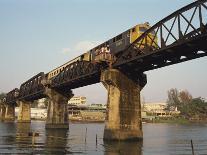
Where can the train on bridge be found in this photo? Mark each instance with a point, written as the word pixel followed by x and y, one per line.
pixel 174 39
pixel 107 51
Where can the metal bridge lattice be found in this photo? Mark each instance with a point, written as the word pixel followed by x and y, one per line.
pixel 182 30
pixel 181 36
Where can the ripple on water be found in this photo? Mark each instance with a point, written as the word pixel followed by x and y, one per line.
pixel 159 139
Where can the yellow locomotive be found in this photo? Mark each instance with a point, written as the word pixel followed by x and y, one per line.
pixel 107 51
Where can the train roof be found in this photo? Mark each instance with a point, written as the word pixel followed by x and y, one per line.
pixel 63 64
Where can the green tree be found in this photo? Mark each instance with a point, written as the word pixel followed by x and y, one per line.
pixel 46 102
pixel 188 106
pixel 185 97
pixel 173 99
pixel 34 104
pixel 197 108
pixel 2 96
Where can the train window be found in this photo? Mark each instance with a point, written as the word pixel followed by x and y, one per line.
pixel 142 29
pixel 133 30
pixel 119 37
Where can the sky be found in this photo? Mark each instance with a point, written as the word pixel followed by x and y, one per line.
pixel 39 35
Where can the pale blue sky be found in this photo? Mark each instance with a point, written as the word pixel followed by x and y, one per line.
pixel 38 35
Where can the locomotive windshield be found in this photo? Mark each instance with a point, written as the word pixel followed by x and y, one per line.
pixel 142 29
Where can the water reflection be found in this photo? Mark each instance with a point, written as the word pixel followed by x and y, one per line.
pixel 168 139
pixel 56 141
pixel 123 148
pixel 7 133
pixel 23 140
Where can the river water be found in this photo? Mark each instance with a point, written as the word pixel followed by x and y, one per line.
pixel 159 139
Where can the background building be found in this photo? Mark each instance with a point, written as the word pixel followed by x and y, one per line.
pixel 154 106
pixel 41 103
pixel 158 109
pixel 78 100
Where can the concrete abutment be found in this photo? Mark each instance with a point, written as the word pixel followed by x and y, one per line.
pixel 57 112
pixel 9 113
pixel 123 120
pixel 24 115
pixel 2 112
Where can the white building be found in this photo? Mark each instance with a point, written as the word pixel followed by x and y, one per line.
pixel 78 100
pixel 36 113
pixel 151 107
pixel 41 103
pixel 158 109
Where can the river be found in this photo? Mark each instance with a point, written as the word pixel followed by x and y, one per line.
pixel 159 139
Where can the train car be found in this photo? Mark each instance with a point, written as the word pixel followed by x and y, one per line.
pixel 122 41
pixel 84 57
pixel 107 51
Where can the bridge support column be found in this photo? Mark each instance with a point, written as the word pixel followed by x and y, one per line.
pixel 57 112
pixel 24 115
pixel 123 120
pixel 2 112
pixel 9 113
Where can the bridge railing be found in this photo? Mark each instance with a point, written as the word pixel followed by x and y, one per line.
pixel 32 88
pixel 184 24
pixel 76 72
pixel 12 96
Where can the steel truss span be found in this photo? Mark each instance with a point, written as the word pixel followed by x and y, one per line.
pixel 179 37
pixel 182 36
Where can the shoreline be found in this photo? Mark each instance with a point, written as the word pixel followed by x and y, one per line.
pixel 156 121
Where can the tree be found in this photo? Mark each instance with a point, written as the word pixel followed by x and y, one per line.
pixel 2 96
pixel 189 107
pixel 34 104
pixel 46 102
pixel 197 108
pixel 185 97
pixel 173 99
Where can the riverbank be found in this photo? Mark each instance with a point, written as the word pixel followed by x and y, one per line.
pixel 173 121
pixel 178 121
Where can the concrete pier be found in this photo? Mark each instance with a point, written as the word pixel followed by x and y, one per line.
pixel 57 113
pixel 9 113
pixel 123 120
pixel 24 115
pixel 2 112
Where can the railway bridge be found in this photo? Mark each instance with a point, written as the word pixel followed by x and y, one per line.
pixel 181 36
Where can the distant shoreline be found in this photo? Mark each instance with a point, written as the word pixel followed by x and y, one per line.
pixel 174 121
pixel 179 121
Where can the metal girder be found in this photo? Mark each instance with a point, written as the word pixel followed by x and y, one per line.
pixel 32 89
pixel 180 38
pixel 174 30
pixel 12 96
pixel 77 74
